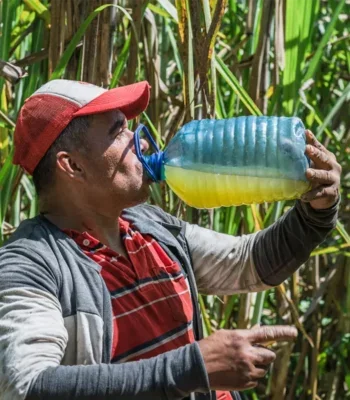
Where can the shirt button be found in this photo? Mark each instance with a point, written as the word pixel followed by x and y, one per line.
pixel 86 242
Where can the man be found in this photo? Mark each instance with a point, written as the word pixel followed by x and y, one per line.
pixel 98 294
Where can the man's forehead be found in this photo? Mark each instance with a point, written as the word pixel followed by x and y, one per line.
pixel 110 117
pixel 119 115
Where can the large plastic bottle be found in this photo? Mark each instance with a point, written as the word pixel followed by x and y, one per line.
pixel 244 160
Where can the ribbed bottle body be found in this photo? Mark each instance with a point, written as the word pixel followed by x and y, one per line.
pixel 244 160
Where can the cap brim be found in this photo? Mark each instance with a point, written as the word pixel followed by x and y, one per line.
pixel 131 100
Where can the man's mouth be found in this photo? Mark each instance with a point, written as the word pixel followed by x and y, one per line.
pixel 147 179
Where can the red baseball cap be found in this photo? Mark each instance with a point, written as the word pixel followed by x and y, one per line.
pixel 51 108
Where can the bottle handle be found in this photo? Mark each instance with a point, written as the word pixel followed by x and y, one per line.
pixel 138 151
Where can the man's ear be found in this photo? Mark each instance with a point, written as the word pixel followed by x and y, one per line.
pixel 69 165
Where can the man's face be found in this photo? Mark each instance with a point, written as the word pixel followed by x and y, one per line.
pixel 114 176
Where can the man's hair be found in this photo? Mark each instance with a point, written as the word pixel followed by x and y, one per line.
pixel 72 138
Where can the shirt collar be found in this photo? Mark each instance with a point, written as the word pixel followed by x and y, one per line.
pixel 88 242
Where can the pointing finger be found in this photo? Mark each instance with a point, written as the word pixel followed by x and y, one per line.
pixel 267 334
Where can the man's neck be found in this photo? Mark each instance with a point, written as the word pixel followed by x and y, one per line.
pixel 85 218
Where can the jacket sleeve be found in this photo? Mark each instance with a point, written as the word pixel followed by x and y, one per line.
pixel 33 340
pixel 226 264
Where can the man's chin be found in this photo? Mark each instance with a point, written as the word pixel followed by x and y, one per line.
pixel 141 197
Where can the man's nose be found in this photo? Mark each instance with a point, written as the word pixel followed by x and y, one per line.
pixel 143 143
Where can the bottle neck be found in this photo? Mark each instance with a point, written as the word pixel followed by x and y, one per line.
pixel 155 162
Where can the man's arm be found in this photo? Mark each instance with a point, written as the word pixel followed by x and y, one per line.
pixel 225 264
pixel 283 247
pixel 33 340
pixel 171 375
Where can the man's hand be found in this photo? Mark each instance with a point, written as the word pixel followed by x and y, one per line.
pixel 324 175
pixel 236 359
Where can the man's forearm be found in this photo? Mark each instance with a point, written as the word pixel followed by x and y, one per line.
pixel 279 250
pixel 172 375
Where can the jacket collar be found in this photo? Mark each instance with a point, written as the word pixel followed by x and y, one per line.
pixel 158 229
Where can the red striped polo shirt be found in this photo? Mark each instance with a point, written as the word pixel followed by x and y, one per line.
pixel 150 296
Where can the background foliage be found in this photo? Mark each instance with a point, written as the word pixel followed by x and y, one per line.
pixel 206 59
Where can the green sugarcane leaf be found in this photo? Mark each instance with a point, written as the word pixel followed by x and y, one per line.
pixel 121 63
pixel 169 8
pixel 232 81
pixel 158 10
pixel 315 62
pixel 342 231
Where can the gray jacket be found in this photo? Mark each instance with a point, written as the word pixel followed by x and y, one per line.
pixel 55 310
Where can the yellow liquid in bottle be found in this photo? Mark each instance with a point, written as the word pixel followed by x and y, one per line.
pixel 207 190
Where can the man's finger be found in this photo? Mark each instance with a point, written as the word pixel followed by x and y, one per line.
pixel 311 139
pixel 277 333
pixel 321 192
pixel 258 373
pixel 321 176
pixel 263 356
pixel 320 158
pixel 249 385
